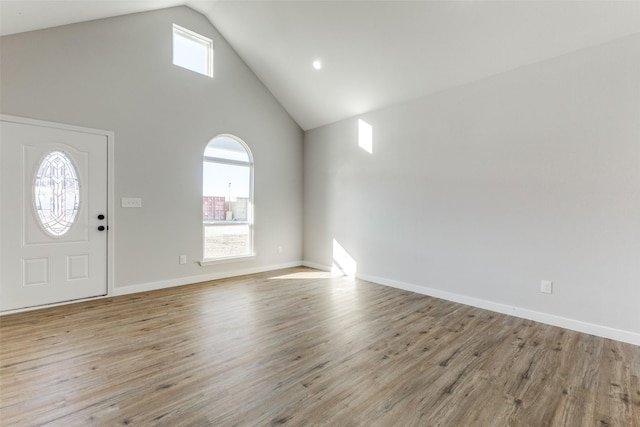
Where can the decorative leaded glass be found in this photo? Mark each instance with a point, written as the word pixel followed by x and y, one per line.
pixel 56 193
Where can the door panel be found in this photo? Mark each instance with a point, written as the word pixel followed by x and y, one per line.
pixel 38 266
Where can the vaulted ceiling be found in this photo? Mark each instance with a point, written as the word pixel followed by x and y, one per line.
pixel 373 53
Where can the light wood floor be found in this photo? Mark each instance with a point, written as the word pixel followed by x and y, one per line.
pixel 297 347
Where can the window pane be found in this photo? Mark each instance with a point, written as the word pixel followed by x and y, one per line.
pixel 192 51
pixel 227 211
pixel 229 182
pixel 222 241
pixel 56 193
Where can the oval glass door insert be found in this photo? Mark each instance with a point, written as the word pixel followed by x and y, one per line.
pixel 56 193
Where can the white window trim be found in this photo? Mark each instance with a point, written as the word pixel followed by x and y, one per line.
pixel 214 261
pixel 251 222
pixel 200 39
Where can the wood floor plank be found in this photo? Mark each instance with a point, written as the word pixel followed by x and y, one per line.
pixel 303 348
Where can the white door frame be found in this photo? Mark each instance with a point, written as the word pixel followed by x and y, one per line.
pixel 110 198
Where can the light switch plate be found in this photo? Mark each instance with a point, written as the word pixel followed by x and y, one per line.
pixel 131 202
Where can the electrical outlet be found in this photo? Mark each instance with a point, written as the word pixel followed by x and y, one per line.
pixel 183 259
pixel 546 286
pixel 279 249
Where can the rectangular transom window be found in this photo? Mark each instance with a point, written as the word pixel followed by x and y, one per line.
pixel 192 51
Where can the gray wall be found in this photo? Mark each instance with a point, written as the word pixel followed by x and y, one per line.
pixel 482 191
pixel 479 191
pixel 117 74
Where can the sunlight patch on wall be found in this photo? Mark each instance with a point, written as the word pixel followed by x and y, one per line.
pixel 365 136
pixel 343 263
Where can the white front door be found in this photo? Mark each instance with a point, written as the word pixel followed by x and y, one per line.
pixel 53 224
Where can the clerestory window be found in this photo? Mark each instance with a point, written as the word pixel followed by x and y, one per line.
pixel 192 51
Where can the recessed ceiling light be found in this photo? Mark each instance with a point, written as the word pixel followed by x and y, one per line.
pixel 317 64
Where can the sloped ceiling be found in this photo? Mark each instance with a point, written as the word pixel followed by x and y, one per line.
pixel 374 53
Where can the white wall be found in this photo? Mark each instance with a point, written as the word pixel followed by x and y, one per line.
pixel 480 192
pixel 117 74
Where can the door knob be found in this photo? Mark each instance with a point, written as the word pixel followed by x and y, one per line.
pixel 101 228
pixel 100 216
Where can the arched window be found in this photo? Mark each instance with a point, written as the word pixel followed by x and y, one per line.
pixel 227 199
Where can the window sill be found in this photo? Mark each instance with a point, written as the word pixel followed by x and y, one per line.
pixel 215 261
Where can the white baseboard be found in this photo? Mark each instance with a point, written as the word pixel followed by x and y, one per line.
pixel 523 313
pixel 549 319
pixel 316 266
pixel 151 286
